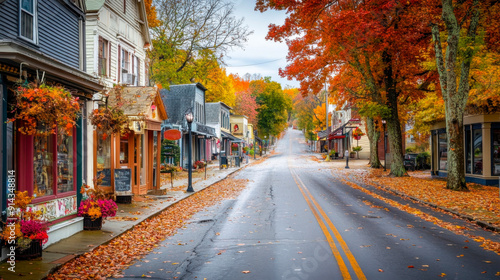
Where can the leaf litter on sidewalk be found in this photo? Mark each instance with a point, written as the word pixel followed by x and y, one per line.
pixel 104 261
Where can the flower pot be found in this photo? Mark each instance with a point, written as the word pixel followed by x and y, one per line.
pixel 89 224
pixel 32 252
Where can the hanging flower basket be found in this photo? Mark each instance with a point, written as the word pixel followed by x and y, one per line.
pixel 45 110
pixel 110 119
pixel 357 133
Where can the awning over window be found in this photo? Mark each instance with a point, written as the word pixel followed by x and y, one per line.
pixel 231 137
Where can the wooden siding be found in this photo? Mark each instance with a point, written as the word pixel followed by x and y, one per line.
pixel 9 14
pixel 58 30
pixel 107 24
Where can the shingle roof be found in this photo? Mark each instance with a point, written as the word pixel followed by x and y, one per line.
pixel 138 100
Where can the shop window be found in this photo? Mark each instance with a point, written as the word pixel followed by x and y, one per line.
pixel 27 19
pixel 495 135
pixel 53 165
pixel 43 166
pixel 65 163
pixel 142 153
pixel 443 151
pixel 103 154
pixel 478 151
pixel 124 156
pixel 468 150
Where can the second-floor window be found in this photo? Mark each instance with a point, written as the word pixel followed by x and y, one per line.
pixel 27 19
pixel 103 57
pixel 130 68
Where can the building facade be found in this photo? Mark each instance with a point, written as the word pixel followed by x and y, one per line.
pixel 42 41
pixel 481 147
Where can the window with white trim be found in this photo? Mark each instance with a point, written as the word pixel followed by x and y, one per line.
pixel 27 19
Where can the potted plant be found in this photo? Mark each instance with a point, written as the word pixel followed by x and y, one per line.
pixel 26 235
pixel 356 150
pixel 95 206
pixel 234 147
pixel 199 164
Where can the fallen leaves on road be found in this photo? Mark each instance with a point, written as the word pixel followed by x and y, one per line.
pixel 485 243
pixel 103 262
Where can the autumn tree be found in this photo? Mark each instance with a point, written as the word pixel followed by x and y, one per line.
pixel 459 23
pixel 380 39
pixel 191 31
pixel 273 105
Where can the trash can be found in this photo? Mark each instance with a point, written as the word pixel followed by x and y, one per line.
pixel 223 161
pixel 237 161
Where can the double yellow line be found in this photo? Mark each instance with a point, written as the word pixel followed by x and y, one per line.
pixel 313 205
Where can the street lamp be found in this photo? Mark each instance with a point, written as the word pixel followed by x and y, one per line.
pixel 385 146
pixel 254 147
pixel 189 118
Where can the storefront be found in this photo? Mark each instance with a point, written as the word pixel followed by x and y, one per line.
pixel 130 161
pixel 481 149
pixel 51 167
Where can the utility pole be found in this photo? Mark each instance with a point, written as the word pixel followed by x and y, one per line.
pixel 326 113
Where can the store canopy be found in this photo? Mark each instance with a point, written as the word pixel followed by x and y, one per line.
pixel 231 137
pixel 322 134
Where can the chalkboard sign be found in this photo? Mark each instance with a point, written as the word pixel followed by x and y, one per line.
pixel 123 181
pixel 106 180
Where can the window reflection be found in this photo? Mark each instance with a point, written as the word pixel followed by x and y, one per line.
pixel 42 166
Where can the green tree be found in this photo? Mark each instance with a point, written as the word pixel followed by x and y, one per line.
pixel 274 104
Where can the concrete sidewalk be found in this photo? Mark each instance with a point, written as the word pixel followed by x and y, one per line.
pixel 63 251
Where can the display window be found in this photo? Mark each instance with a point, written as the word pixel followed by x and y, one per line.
pixel 477 166
pixel 495 160
pixel 53 165
pixel 443 151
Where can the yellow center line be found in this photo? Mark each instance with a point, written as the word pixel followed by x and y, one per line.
pixel 335 251
pixel 308 197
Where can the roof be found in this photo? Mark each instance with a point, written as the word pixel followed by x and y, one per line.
pixel 94 5
pixel 138 100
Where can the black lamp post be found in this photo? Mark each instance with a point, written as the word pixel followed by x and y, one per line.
pixel 254 147
pixel 385 146
pixel 189 118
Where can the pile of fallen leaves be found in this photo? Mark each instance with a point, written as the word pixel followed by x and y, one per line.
pixel 478 203
pixel 104 262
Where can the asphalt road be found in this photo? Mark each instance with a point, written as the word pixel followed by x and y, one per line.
pixel 296 220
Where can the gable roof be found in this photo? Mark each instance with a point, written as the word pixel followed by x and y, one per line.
pixel 138 100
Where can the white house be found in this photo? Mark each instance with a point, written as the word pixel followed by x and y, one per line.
pixel 116 40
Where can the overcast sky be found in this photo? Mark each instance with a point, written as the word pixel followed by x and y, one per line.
pixel 259 55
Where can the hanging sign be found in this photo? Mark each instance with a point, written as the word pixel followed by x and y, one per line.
pixel 172 134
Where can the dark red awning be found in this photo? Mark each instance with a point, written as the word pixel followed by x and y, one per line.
pixel 336 137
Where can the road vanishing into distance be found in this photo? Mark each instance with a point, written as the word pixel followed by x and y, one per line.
pixel 297 220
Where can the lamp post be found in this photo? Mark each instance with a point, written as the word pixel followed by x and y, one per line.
pixel 189 118
pixel 254 147
pixel 327 134
pixel 385 146
pixel 346 154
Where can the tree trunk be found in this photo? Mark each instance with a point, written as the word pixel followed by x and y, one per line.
pixel 455 158
pixel 373 136
pixel 393 123
pixel 455 96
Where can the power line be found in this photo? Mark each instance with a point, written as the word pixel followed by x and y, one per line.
pixel 257 63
